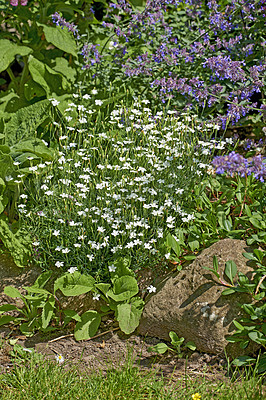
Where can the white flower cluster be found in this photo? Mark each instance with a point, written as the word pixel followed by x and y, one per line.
pixel 119 192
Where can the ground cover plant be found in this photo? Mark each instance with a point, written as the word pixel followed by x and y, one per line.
pixel 32 378
pixel 113 151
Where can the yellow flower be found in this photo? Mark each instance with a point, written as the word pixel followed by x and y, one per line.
pixel 196 396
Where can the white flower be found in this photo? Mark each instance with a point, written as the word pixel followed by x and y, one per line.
pixel 90 257
pixel 96 296
pixel 58 248
pixel 65 251
pixel 59 264
pixel 151 289
pixel 87 96
pixel 9 178
pixel 167 256
pixel 98 102
pixel 71 270
pixel 54 102
pixel 112 268
pixel 94 91
pixel 35 243
pixel 33 168
pixel 77 245
pixel 84 120
pixel 59 358
pixel 49 193
pixel 23 196
pixel 56 233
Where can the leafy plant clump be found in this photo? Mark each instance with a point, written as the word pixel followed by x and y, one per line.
pixel 42 310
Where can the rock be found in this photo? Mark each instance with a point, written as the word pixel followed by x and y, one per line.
pixel 190 302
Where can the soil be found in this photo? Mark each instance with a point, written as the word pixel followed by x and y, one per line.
pixel 110 348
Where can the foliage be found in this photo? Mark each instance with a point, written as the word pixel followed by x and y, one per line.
pixel 116 189
pixel 44 54
pixel 43 312
pixel 212 58
pixel 252 326
pixel 176 343
pixel 31 377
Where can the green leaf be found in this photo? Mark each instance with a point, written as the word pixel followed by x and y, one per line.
pixel 226 292
pixel 215 263
pixel 7 307
pixel 173 336
pixel 230 270
pixel 194 245
pixel 173 244
pixel 124 288
pixel 191 345
pixel 33 89
pixel 12 292
pixel 103 287
pixel 60 38
pixel 25 121
pixel 35 290
pixel 243 360
pixel 47 312
pixel 128 315
pixel 72 314
pixel 27 328
pixel 34 146
pixel 62 66
pixel 250 256
pixel 74 284
pixel 257 337
pixel 121 266
pixel 5 319
pixel 42 279
pixel 88 326
pixel 238 325
pixel 8 52
pixel 159 348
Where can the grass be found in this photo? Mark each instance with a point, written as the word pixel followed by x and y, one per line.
pixel 33 378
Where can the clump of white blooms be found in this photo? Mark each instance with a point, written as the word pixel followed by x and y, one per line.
pixel 116 191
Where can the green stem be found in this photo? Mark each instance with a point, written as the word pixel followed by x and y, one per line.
pixel 12 77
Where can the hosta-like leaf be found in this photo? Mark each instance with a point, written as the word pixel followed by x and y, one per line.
pixel 88 326
pixel 8 52
pixel 74 284
pixel 128 315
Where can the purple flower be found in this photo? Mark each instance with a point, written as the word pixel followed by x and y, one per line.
pixel 60 21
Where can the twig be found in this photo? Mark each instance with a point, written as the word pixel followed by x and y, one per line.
pixel 93 337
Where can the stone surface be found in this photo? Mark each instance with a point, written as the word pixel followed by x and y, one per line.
pixel 190 302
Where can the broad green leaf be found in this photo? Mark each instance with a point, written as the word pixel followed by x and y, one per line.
pixel 5 319
pixel 34 146
pixel 33 89
pixel 6 165
pixel 8 52
pixel 194 245
pixel 103 287
pixel 124 288
pixel 72 314
pixel 42 279
pixel 74 284
pixel 121 266
pixel 18 244
pixel 230 270
pixel 60 38
pixel 12 292
pixel 159 348
pixel 62 66
pixel 25 121
pixel 128 315
pixel 47 312
pixel 88 326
